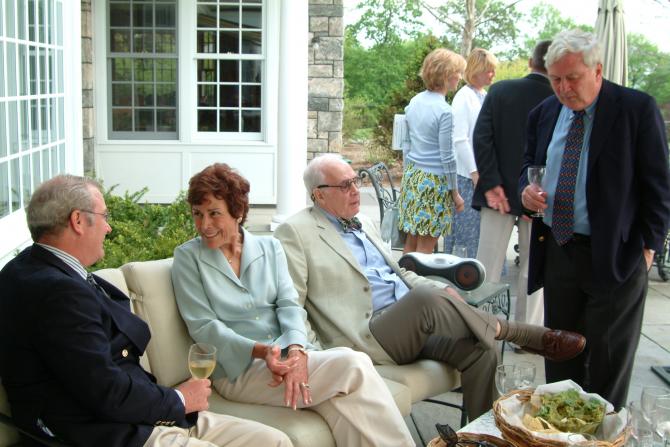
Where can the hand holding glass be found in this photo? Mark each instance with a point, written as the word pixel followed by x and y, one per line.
pixel 201 360
pixel 535 177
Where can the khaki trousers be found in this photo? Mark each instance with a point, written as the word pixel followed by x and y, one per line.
pixel 427 323
pixel 346 391
pixel 218 430
pixel 494 234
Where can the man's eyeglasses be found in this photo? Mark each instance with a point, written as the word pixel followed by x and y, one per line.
pixel 450 438
pixel 105 216
pixel 346 185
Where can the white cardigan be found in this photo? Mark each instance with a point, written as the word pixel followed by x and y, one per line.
pixel 465 107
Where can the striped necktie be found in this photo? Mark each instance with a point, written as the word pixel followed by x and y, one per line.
pixel 564 199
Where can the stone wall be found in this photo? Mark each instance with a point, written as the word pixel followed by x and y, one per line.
pixel 326 77
pixel 88 121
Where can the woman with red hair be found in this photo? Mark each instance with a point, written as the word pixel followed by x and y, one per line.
pixel 234 291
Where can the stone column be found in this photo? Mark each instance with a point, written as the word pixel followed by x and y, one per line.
pixel 88 117
pixel 292 109
pixel 326 77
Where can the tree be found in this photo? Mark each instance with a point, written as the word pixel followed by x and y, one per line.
pixel 549 21
pixel 482 23
pixel 386 22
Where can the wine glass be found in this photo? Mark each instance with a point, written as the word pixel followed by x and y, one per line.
pixel 201 360
pixel 505 378
pixel 649 396
pixel 660 419
pixel 641 434
pixel 535 177
pixel 524 375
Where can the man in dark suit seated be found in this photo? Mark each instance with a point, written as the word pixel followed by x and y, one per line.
pixel 70 347
pixel 606 202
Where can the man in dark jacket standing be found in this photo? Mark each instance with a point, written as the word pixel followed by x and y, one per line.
pixel 499 140
pixel 70 347
pixel 606 202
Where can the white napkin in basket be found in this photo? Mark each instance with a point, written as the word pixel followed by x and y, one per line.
pixel 512 410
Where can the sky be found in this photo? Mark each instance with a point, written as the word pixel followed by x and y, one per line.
pixel 646 17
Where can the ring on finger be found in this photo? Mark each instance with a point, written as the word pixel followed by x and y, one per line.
pixel 305 386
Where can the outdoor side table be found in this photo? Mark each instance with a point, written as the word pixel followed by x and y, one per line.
pixel 492 297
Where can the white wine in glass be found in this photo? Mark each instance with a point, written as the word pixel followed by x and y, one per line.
pixel 201 360
pixel 535 177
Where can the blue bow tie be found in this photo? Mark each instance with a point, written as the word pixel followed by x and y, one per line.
pixel 349 225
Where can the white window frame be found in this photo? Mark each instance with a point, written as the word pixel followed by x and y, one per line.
pixel 187 133
pixel 13 227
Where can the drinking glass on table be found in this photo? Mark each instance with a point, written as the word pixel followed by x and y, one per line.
pixel 524 375
pixel 660 419
pixel 535 177
pixel 641 434
pixel 505 378
pixel 649 396
pixel 201 360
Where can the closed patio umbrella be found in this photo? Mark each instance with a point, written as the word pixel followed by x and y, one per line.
pixel 611 33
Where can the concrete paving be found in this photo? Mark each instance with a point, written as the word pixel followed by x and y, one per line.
pixel 654 348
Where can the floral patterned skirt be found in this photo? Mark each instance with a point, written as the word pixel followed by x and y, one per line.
pixel 425 203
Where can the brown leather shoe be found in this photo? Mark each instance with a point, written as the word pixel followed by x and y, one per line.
pixel 559 346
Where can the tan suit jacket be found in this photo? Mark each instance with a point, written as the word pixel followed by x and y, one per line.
pixel 331 284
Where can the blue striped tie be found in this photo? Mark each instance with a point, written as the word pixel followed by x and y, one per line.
pixel 563 213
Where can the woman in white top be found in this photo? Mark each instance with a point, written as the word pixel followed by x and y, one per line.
pixel 466 105
pixel 428 188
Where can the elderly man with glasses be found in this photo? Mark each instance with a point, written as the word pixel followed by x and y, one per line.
pixel 356 295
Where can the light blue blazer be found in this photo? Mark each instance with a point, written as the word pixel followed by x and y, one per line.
pixel 234 313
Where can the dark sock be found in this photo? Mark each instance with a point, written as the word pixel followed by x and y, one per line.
pixel 521 334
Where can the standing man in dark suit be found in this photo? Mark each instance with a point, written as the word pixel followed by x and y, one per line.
pixel 499 141
pixel 70 347
pixel 606 202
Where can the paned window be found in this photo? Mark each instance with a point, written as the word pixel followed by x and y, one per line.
pixel 32 98
pixel 142 69
pixel 229 66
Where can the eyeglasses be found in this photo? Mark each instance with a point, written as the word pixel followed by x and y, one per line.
pixel 105 216
pixel 346 185
pixel 450 438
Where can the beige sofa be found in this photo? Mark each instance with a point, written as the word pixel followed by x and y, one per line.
pixel 149 286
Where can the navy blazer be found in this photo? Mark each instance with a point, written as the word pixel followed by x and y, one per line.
pixel 627 181
pixel 500 136
pixel 69 357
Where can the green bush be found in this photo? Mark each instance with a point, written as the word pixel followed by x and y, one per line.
pixel 143 231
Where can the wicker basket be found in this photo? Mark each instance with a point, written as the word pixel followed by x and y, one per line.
pixel 521 437
pixel 437 442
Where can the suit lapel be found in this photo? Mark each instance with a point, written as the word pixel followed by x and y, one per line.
pixel 118 307
pixel 603 121
pixel 251 251
pixel 332 238
pixel 215 259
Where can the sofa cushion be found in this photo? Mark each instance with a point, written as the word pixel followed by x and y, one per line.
pixel 424 378
pixel 150 286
